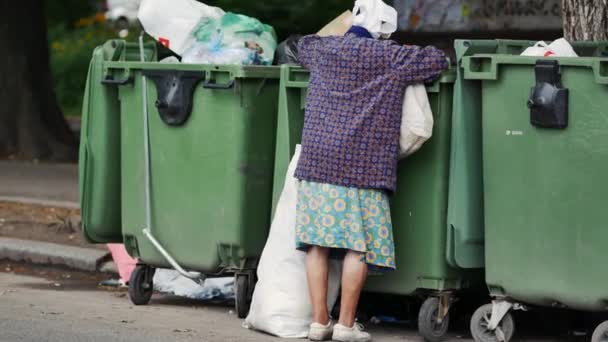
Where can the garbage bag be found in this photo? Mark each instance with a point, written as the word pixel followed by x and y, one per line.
pixel 559 48
pixel 287 51
pixel 416 120
pixel 232 39
pixel 281 305
pixel 171 22
pixel 214 53
pixel 170 281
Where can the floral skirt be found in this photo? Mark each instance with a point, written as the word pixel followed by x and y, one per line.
pixel 343 219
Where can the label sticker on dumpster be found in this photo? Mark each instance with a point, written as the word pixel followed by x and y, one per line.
pixel 514 132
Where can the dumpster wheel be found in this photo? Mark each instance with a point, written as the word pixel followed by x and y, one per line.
pixel 601 333
pixel 479 326
pixel 431 326
pixel 242 295
pixel 141 286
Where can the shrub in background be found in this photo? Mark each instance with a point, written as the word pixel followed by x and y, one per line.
pixel 70 56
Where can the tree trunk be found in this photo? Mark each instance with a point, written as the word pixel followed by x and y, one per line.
pixel 32 125
pixel 585 19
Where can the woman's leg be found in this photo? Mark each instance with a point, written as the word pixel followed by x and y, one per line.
pixel 354 274
pixel 317 270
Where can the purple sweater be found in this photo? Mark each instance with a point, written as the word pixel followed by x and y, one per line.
pixel 354 104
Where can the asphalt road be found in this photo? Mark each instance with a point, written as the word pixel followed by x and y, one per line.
pixel 38 309
pixel 49 304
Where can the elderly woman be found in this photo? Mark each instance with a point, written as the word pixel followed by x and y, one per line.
pixel 348 163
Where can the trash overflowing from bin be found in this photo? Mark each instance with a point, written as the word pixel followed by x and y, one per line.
pixel 558 48
pixel 171 23
pixel 214 289
pixel 203 34
pixel 232 39
pixel 249 116
pixel 287 51
pixel 170 281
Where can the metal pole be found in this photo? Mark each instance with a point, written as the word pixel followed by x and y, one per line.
pixel 148 228
pixel 144 91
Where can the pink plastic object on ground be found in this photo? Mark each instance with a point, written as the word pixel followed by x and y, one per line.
pixel 124 263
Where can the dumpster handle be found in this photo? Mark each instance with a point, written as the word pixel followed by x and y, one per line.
pixel 480 68
pixel 288 73
pixel 110 80
pixel 147 229
pixel 296 84
pixel 600 69
pixel 548 100
pixel 210 84
pixel 175 90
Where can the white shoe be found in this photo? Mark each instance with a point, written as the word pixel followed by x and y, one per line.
pixel 320 332
pixel 354 334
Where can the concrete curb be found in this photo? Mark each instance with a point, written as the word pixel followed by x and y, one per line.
pixel 37 252
pixel 43 202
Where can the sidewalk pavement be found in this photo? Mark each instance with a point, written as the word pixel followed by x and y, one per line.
pixel 39 183
pixel 50 185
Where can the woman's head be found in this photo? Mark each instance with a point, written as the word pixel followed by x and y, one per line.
pixel 376 17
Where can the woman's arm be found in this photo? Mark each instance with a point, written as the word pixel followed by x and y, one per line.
pixel 417 64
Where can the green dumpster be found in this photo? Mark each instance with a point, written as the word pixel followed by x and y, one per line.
pixel 465 194
pixel 418 209
pixel 196 154
pixel 465 189
pixel 544 133
pixel 99 162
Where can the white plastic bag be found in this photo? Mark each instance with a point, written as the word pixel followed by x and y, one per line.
pixel 539 49
pixel 562 48
pixel 377 17
pixel 170 281
pixel 281 305
pixel 559 48
pixel 172 22
pixel 416 120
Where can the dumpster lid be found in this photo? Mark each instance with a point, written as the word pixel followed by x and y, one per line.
pixel 235 71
